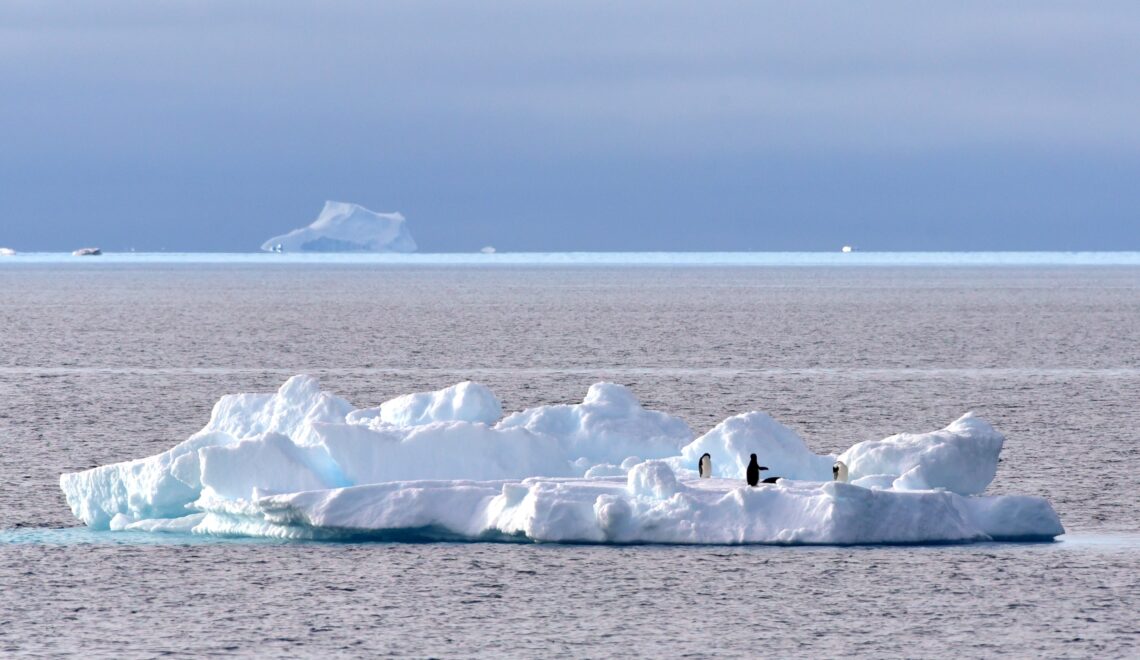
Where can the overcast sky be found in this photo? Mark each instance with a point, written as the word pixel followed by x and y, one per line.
pixel 574 125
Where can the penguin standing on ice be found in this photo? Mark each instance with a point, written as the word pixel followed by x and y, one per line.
pixel 704 466
pixel 753 473
pixel 839 471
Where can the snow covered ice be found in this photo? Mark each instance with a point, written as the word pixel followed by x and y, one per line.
pixel 304 463
pixel 344 227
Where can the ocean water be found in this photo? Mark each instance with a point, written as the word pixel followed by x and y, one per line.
pixel 102 361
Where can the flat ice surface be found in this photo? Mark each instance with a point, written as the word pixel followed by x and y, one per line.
pixel 475 258
pixel 304 463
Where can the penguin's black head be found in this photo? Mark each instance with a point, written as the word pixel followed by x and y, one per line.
pixel 753 458
pixel 835 470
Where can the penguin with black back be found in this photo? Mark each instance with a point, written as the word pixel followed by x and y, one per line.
pixel 753 473
pixel 704 466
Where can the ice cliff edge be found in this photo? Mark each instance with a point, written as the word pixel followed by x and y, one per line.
pixel 346 227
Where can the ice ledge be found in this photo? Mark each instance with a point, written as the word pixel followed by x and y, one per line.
pixel 639 509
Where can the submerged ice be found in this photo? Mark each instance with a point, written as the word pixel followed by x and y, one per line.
pixel 304 463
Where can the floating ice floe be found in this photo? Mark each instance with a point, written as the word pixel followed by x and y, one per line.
pixel 303 463
pixel 344 227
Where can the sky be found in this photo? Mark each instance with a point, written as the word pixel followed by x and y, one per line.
pixel 554 126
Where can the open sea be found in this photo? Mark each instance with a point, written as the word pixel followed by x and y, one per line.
pixel 105 359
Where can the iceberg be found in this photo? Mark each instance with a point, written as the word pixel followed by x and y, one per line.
pixel 303 463
pixel 345 227
pixel 7 252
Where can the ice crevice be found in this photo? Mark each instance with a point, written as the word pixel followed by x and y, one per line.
pixel 304 463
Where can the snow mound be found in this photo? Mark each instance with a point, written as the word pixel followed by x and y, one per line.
pixel 344 227
pixel 291 411
pixel 463 402
pixel 732 442
pixel 652 479
pixel 962 457
pixel 608 426
pixel 303 463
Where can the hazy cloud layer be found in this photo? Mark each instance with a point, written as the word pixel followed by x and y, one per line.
pixel 574 125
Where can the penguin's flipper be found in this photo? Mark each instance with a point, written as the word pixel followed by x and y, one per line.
pixel 772 480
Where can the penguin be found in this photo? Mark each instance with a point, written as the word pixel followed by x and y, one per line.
pixel 753 473
pixel 839 471
pixel 704 466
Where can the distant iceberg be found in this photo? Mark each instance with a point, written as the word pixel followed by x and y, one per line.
pixel 7 252
pixel 345 227
pixel 304 463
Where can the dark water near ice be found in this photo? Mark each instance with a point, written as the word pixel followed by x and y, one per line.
pixel 101 363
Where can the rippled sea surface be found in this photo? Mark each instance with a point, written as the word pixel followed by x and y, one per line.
pixel 107 362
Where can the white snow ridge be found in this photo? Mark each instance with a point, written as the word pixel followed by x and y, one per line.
pixel 344 227
pixel 303 463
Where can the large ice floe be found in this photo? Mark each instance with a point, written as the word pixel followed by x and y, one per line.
pixel 303 463
pixel 344 227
